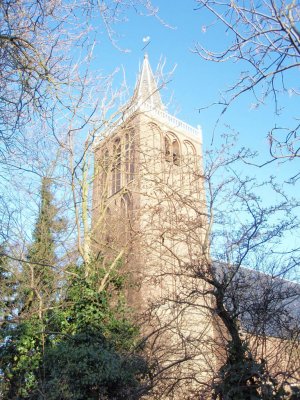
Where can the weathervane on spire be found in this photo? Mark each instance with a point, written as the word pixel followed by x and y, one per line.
pixel 147 41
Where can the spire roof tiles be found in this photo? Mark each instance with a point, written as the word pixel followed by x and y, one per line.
pixel 146 88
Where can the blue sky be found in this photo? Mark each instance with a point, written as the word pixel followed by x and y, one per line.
pixel 195 82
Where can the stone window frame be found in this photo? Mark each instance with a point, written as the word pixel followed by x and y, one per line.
pixel 172 149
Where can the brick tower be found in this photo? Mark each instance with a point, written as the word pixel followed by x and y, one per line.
pixel 149 210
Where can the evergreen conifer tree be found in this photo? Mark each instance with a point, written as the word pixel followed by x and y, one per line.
pixel 79 345
pixel 41 254
pixel 23 340
pixel 7 289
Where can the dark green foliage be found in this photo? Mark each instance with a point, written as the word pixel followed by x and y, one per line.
pixel 42 251
pixel 87 351
pixel 20 359
pixel 86 367
pixel 89 308
pixel 8 287
pixel 92 356
pixel 76 344
pixel 22 336
pixel 243 378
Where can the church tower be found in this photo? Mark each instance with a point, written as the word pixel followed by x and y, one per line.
pixel 149 211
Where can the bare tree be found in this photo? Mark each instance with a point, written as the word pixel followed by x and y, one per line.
pixel 36 44
pixel 221 305
pixel 241 279
pixel 264 38
pixel 51 105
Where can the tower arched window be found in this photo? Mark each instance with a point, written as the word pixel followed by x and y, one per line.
pixel 168 150
pixel 172 149
pixel 190 167
pixel 190 152
pixel 175 152
pixel 126 215
pixel 108 225
pixel 126 205
pixel 105 167
pixel 116 167
pixel 130 155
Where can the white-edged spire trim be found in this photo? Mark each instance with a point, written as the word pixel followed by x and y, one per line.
pixel 146 90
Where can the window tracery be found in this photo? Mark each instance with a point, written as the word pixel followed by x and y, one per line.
pixel 190 167
pixel 189 152
pixel 168 149
pixel 116 167
pixel 129 155
pixel 105 166
pixel 172 149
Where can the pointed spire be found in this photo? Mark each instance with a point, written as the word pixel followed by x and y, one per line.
pixel 146 89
